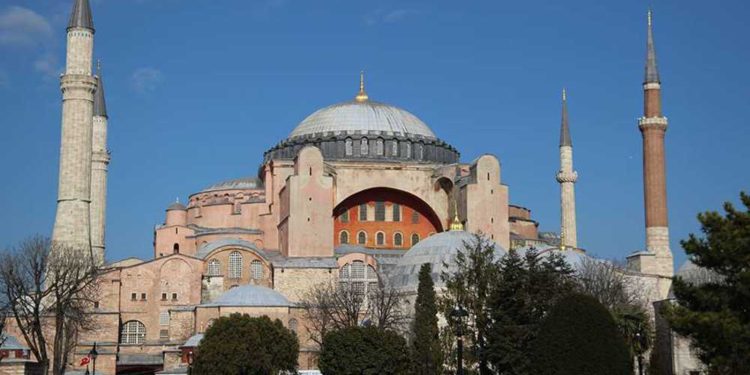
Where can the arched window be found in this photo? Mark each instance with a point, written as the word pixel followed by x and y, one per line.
pixel 396 212
pixel 363 278
pixel 364 147
pixel 398 240
pixel 344 237
pixel 214 267
pixel 256 269
pixel 379 211
pixel 348 147
pixel 380 238
pixel 176 248
pixel 379 147
pixel 362 238
pixel 415 217
pixel 407 152
pixel 235 265
pixel 394 148
pixel 414 239
pixel 293 325
pixel 133 332
pixel 420 151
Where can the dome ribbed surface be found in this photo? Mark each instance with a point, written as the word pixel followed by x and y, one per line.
pixel 251 296
pixel 361 118
pixel 236 184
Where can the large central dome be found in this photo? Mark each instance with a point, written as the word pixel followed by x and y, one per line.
pixel 363 117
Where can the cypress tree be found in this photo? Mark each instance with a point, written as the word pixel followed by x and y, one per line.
pixel 428 356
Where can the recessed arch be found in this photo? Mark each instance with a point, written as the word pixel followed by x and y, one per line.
pixel 401 197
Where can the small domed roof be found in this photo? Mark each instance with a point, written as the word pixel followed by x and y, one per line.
pixel 438 249
pixel 176 206
pixel 236 184
pixel 251 296
pixel 574 258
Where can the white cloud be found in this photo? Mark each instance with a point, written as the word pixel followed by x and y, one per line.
pixel 387 16
pixel 146 79
pixel 47 65
pixel 23 27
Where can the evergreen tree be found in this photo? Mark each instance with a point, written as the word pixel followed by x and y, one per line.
pixel 714 312
pixel 242 344
pixel 579 337
pixel 524 291
pixel 427 351
pixel 364 351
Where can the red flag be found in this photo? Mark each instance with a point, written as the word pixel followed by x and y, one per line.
pixel 85 361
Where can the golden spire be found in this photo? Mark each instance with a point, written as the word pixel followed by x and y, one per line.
pixel 361 95
pixel 456 225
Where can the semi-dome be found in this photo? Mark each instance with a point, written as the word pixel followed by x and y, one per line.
pixel 438 250
pixel 236 184
pixel 363 117
pixel 251 296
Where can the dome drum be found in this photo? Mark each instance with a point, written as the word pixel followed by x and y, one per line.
pixel 370 146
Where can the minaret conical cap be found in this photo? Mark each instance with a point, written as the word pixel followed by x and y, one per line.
pixel 652 73
pixel 100 105
pixel 81 15
pixel 564 128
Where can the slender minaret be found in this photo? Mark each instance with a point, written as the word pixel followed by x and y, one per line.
pixel 72 222
pixel 99 163
pixel 653 126
pixel 567 178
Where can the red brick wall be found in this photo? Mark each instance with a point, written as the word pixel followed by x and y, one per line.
pixel 427 222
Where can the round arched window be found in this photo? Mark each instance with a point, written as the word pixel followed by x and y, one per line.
pixel 380 238
pixel 235 265
pixel 398 240
pixel 344 237
pixel 133 332
pixel 361 238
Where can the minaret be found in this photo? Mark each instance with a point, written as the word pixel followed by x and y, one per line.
pixel 567 178
pixel 653 126
pixel 72 222
pixel 99 163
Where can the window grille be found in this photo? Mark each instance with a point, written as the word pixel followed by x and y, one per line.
pixel 363 212
pixel 380 211
pixel 163 335
pixel 133 332
pixel 396 212
pixel 214 267
pixel 364 147
pixel 235 265
pixel 361 278
pixel 256 269
pixel 164 318
pixel 362 238
pixel 358 270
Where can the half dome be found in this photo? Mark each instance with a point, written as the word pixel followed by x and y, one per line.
pixel 251 296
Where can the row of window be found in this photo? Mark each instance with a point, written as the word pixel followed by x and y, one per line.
pixel 364 148
pixel 362 278
pixel 380 213
pixel 134 296
pixel 398 238
pixel 235 267
pixel 134 332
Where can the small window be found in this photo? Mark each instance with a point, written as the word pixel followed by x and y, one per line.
pixel 256 269
pixel 344 217
pixel 133 296
pixel 164 296
pixel 174 296
pixel 348 146
pixel 293 325
pixel 214 267
pixel 364 147
pixel 379 147
pixel 398 240
pixel 164 318
pixel 396 212
pixel 344 237
pixel 415 217
pixel 380 238
pixel 414 239
pixel 363 212
pixel 143 296
pixel 362 238
pixel 380 211
pixel 407 152
pixel 394 148
pixel 163 335
pixel 176 248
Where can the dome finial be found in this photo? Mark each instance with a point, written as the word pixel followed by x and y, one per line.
pixel 361 95
pixel 456 225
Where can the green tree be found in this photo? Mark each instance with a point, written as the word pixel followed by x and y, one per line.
pixel 714 313
pixel 427 350
pixel 243 344
pixel 580 337
pixel 469 287
pixel 524 291
pixel 364 351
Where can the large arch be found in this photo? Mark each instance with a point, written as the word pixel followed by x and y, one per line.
pixel 387 211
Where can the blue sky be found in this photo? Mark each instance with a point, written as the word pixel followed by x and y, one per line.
pixel 198 90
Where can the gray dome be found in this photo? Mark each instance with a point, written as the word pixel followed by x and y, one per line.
pixel 251 296
pixel 574 258
pixel 691 273
pixel 176 206
pixel 438 249
pixel 363 117
pixel 236 184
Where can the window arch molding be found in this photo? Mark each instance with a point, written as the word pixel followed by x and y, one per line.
pixel 344 237
pixel 362 237
pixel 214 267
pixel 398 239
pixel 380 238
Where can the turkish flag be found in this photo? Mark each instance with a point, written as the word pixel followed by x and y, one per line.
pixel 85 361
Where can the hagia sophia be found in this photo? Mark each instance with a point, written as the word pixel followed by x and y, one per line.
pixel 358 191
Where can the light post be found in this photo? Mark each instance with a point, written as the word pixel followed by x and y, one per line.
pixel 458 314
pixel 190 362
pixel 93 354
